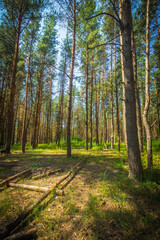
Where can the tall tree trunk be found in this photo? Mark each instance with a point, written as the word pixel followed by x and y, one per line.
pixel 24 130
pixel 91 127
pixel 13 83
pixel 71 83
pixel 62 98
pixel 111 87
pixel 122 70
pixel 133 152
pixel 3 84
pixel 14 122
pixel 2 106
pixel 157 28
pixel 38 106
pixel 105 105
pixel 116 91
pixel 3 114
pixel 86 147
pixel 50 113
pixel 138 109
pixel 147 93
pixel 96 105
pixel 158 105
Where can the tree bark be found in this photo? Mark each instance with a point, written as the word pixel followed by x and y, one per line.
pixel 14 121
pixel 71 83
pixel 60 111
pixel 147 93
pixel 24 130
pixel 38 106
pixel 111 87
pixel 133 152
pixel 158 105
pixel 3 113
pixel 116 91
pixel 26 235
pixel 86 147
pixel 97 138
pixel 105 105
pixel 122 70
pixel 91 127
pixel 138 109
pixel 98 107
pixel 13 83
pixel 6 181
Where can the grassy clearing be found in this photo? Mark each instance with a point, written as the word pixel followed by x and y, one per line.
pixel 100 202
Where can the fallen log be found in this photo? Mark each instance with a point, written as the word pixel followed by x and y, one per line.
pixel 6 181
pixel 28 187
pixel 10 227
pixel 71 171
pixel 45 174
pixel 25 235
pixel 35 188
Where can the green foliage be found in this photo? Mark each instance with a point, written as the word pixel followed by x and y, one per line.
pixel 2 169
pixel 119 163
pixel 152 184
pixel 17 146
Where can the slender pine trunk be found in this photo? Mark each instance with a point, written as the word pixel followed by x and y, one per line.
pixel 24 130
pixel 13 82
pixel 96 105
pixel 147 93
pixel 105 105
pixel 71 83
pixel 122 70
pixel 138 109
pixel 111 87
pixel 91 127
pixel 86 147
pixel 116 92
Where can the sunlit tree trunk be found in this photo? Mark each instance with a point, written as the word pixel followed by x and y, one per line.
pixel 111 87
pixel 91 103
pixel 14 126
pixel 158 105
pixel 86 98
pixel 133 152
pixel 147 93
pixel 116 91
pixel 38 106
pixel 62 98
pixel 96 105
pixel 24 130
pixel 71 83
pixel 122 70
pixel 138 109
pixel 105 106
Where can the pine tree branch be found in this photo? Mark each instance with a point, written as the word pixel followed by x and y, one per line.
pixel 108 14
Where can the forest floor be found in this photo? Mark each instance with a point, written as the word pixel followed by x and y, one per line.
pixel 99 203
